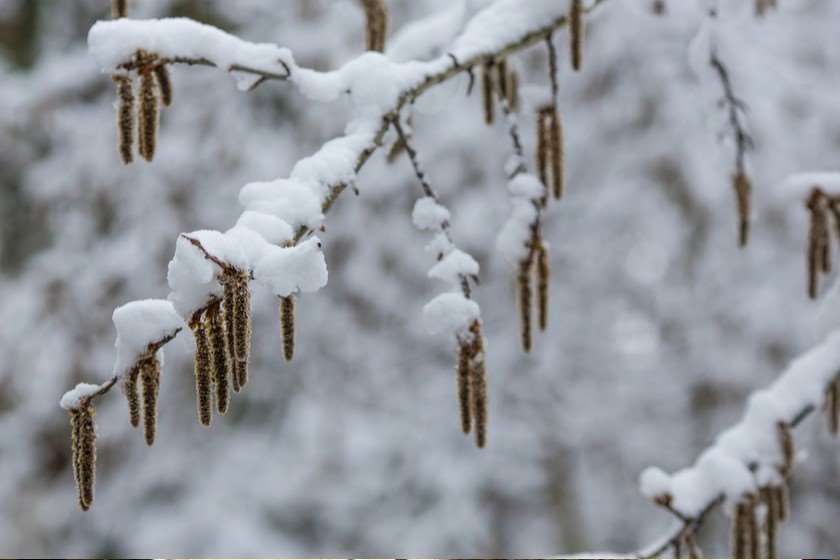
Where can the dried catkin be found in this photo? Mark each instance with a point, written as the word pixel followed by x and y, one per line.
pixel 524 289
pixel 542 146
pixel 576 32
pixel 148 116
pixel 203 376
pixel 464 398
pixel 376 28
pixel 164 83
pixel 741 185
pixel 132 395
pixel 543 279
pixel 816 238
pixel 770 521
pixel 229 318
pixel 119 9
pixel 287 326
pixel 555 147
pixel 221 359
pixel 478 384
pixel 125 118
pixel 487 92
pixel 785 436
pixel 150 380
pixel 832 406
pixel 83 442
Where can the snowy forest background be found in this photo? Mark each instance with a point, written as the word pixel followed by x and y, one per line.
pixel 660 325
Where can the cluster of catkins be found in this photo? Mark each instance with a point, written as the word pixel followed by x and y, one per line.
pixel 472 383
pixel 139 115
pixel 376 27
pixel 820 205
pixel 222 334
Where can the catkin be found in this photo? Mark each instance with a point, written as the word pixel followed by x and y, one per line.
pixel 770 521
pixel 741 530
pixel 478 384
pixel 785 436
pixel 229 318
pixel 242 328
pixel 524 289
pixel 221 359
pixel 512 89
pixel 203 376
pixel 132 395
pixel 125 118
pixel 376 28
pixel 816 238
pixel 119 9
pixel 83 443
pixel 287 326
pixel 487 93
pixel 463 377
pixel 150 379
pixel 501 68
pixel 555 147
pixel 164 83
pixel 543 279
pixel 832 406
pixel 741 185
pixel 148 116
pixel 542 146
pixel 576 32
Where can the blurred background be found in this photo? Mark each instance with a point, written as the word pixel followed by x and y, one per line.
pixel 660 326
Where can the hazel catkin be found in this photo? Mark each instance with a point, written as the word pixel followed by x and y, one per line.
pixel 83 444
pixel 125 118
pixel 287 326
pixel 148 116
pixel 150 381
pixel 203 376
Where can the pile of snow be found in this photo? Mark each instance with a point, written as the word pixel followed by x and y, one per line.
pixel 454 266
pixel 140 323
pixel 514 238
pixel 289 270
pixel 72 399
pixel 450 313
pixel 429 215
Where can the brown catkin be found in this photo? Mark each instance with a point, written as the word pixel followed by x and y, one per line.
pixel 478 384
pixel 487 92
pixel 740 531
pixel 525 290
pixel 164 83
pixel 464 398
pixel 785 436
pixel 576 32
pixel 83 443
pixel 543 280
pixel 502 77
pixel 542 146
pixel 741 185
pixel 119 9
pixel 150 380
pixel 125 118
pixel 832 406
pixel 555 147
pixel 512 89
pixel 203 376
pixel 242 317
pixel 229 318
pixel 752 530
pixel 132 395
pixel 376 28
pixel 816 237
pixel 770 521
pixel 148 116
pixel 221 358
pixel 287 326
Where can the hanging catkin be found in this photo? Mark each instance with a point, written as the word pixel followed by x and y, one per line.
pixel 150 380
pixel 501 68
pixel 125 118
pixel 487 92
pixel 832 406
pixel 148 115
pixel 771 520
pixel 221 359
pixel 463 377
pixel 741 530
pixel 542 147
pixel 512 89
pixel 164 83
pixel 543 279
pixel 524 289
pixel 229 318
pixel 785 436
pixel 132 395
pixel 376 27
pixel 83 443
pixel 478 384
pixel 203 367
pixel 119 9
pixel 576 32
pixel 287 326
pixel 816 239
pixel 741 185
pixel 555 147
pixel 242 326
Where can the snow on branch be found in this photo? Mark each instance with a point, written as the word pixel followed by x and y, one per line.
pixel 749 466
pixel 273 240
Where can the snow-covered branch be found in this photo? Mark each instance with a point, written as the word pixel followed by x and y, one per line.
pixel 748 468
